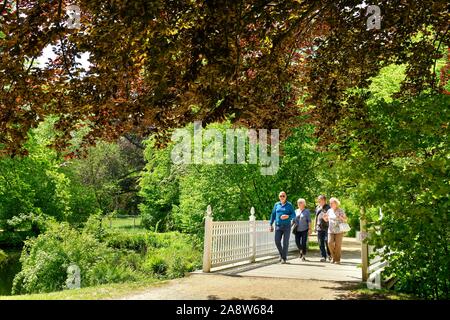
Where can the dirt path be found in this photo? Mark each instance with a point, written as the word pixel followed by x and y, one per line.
pixel 213 286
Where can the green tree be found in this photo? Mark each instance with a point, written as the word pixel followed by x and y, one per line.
pixel 186 60
pixel 396 157
pixel 177 195
pixel 33 184
pixel 159 188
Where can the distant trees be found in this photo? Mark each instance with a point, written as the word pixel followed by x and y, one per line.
pixel 176 196
pixel 109 175
pixel 43 184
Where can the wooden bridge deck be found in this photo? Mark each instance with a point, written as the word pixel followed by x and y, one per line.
pixel 312 269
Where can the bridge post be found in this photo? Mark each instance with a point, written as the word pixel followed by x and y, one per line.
pixel 252 221
pixel 364 246
pixel 207 240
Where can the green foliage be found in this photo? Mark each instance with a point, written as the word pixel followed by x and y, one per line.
pixel 98 173
pixel 176 196
pixel 118 270
pixel 45 260
pixel 353 214
pixel 167 255
pixel 407 175
pixel 124 240
pixel 33 222
pixel 14 239
pixel 33 188
pixel 159 188
pixel 387 83
pixel 173 261
pixel 29 184
pixel 42 185
pixel 3 257
pixel 386 133
pixel 9 267
pixel 392 152
pixel 156 265
pixel 105 179
pixel 94 226
pixel 103 257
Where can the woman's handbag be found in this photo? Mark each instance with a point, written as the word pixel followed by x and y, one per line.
pixel 344 227
pixel 294 227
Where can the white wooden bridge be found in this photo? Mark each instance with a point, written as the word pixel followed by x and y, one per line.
pixel 247 248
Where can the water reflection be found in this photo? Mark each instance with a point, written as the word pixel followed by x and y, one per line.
pixel 7 272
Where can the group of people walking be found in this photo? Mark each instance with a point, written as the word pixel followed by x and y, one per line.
pixel 330 225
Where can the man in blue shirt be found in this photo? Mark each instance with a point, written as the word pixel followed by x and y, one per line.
pixel 282 214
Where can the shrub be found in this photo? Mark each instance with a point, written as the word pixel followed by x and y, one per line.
pixel 179 267
pixel 94 226
pixel 33 222
pixel 179 252
pixel 142 242
pixel 105 272
pixel 129 241
pixel 119 257
pixel 156 265
pixel 45 260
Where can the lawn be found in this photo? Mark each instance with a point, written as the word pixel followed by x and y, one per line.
pixel 362 293
pixel 129 223
pixel 106 291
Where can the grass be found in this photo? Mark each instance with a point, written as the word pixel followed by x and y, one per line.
pixel 362 293
pixel 313 245
pixel 129 224
pixel 106 291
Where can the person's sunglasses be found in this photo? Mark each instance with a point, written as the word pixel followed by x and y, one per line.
pixel 282 196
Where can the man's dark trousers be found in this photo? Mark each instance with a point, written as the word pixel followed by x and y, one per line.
pixel 322 236
pixel 282 232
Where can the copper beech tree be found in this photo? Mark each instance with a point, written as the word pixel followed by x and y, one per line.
pixel 158 65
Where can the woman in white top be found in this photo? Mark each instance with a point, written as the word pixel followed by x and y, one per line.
pixel 335 216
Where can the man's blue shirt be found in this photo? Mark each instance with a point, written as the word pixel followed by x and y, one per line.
pixel 280 209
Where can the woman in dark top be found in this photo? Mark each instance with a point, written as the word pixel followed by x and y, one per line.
pixel 303 221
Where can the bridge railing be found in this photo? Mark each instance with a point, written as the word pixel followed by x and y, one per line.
pixel 228 242
pixel 373 264
pixel 375 269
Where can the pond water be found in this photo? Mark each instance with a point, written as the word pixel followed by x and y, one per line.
pixel 7 272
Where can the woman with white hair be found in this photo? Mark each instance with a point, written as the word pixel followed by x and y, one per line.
pixel 302 223
pixel 335 216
